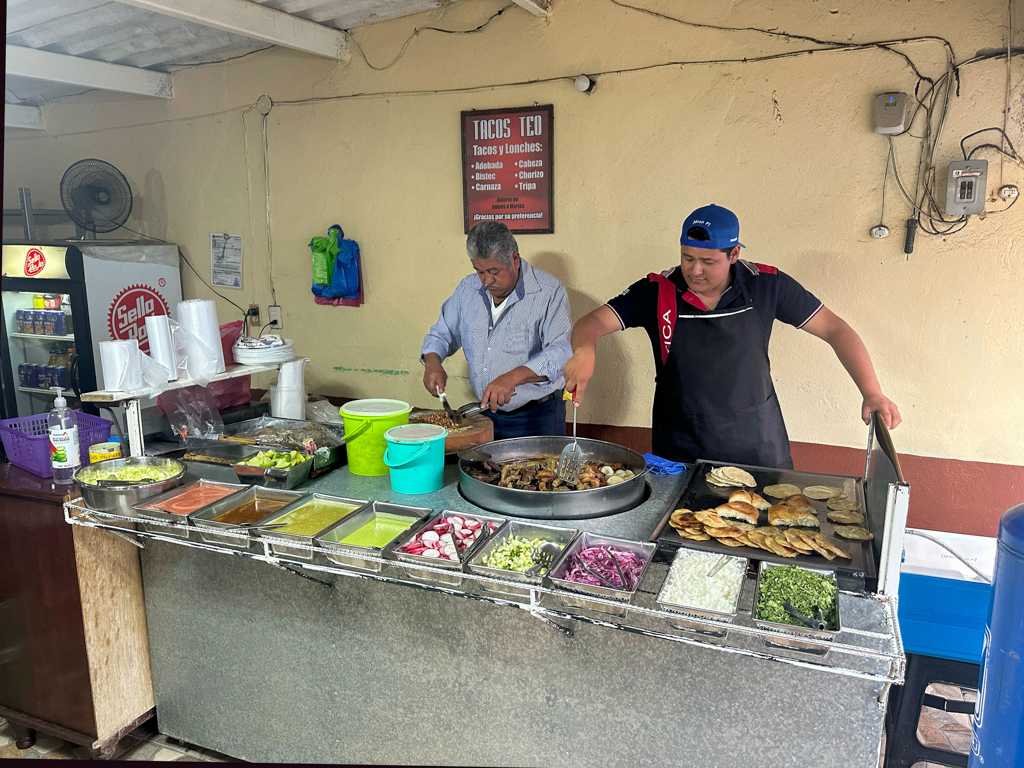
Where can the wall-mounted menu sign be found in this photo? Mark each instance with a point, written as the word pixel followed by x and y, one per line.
pixel 506 168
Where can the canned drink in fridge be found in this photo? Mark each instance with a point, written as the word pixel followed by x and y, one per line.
pixel 60 376
pixel 19 320
pixel 59 325
pixel 104 451
pixel 24 374
pixel 38 321
pixel 49 321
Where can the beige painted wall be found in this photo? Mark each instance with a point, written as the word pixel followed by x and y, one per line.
pixel 787 144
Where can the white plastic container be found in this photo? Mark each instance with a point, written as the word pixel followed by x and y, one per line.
pixel 287 402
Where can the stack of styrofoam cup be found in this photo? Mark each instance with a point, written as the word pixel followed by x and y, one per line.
pixel 288 397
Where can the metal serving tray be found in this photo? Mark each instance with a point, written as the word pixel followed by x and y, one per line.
pixel 561 536
pixel 285 479
pixel 643 550
pixel 798 631
pixel 355 555
pixel 860 573
pixel 220 453
pixel 207 527
pixel 699 613
pixel 454 578
pixel 150 509
pixel 325 458
pixel 282 544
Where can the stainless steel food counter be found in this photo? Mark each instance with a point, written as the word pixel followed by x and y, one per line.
pixel 356 667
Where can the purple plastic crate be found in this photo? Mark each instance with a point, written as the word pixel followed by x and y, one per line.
pixel 27 441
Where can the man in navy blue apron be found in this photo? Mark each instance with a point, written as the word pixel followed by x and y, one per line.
pixel 709 320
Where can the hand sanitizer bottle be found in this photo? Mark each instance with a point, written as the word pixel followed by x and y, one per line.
pixel 62 426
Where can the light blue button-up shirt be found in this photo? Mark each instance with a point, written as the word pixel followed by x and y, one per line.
pixel 532 330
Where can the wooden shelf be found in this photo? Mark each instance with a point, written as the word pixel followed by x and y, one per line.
pixel 233 372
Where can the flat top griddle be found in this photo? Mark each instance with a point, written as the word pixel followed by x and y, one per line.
pixel 696 494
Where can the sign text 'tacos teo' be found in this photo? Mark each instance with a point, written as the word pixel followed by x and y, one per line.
pixel 507 159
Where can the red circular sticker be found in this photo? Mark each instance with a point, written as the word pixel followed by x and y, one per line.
pixel 161 282
pixel 126 318
pixel 35 262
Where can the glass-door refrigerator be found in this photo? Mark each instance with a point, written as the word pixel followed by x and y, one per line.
pixel 60 300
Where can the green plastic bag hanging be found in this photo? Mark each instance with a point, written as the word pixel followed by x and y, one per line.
pixel 324 250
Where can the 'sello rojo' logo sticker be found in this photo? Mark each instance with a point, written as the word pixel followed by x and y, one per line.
pixel 126 318
pixel 35 262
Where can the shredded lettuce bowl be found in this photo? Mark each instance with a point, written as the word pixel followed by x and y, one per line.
pixel 133 473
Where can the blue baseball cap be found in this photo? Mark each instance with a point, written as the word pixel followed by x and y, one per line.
pixel 721 225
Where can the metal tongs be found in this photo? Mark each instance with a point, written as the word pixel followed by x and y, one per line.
pixel 104 483
pixel 464 412
pixel 819 624
pixel 607 582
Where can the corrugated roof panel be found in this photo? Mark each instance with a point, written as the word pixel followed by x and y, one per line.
pixel 124 34
pixel 345 14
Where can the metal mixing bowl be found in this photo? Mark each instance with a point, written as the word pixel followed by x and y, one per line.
pixel 557 505
pixel 119 497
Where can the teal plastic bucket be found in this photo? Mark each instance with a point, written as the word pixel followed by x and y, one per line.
pixel 415 456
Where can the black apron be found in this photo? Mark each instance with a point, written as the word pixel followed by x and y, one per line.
pixel 714 398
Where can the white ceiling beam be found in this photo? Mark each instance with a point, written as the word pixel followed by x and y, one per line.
pixel 17 116
pixel 257 22
pixel 87 73
pixel 536 7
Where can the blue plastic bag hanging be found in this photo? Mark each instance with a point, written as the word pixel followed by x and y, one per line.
pixel 344 280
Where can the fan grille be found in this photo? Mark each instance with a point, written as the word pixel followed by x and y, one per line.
pixel 96 196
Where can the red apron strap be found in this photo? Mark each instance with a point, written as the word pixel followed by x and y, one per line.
pixel 667 311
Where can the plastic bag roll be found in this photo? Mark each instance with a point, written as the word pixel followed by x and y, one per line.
pixel 161 348
pixel 120 363
pixel 292 373
pixel 199 317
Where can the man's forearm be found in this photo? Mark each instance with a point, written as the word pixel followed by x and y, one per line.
pixel 855 359
pixel 587 332
pixel 525 375
pixel 431 359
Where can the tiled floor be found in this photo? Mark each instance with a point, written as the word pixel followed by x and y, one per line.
pixel 142 744
pixel 945 730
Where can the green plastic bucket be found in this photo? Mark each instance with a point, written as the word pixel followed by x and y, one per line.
pixel 415 455
pixel 366 421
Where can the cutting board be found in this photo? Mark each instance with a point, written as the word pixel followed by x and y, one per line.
pixel 476 430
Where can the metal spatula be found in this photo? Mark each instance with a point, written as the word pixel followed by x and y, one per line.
pixel 570 462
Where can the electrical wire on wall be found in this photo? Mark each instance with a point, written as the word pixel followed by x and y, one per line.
pixel 932 97
pixel 189 264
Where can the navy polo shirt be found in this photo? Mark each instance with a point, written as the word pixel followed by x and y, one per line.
pixel 774 294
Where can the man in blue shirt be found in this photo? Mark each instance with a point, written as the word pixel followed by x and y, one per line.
pixel 709 320
pixel 513 324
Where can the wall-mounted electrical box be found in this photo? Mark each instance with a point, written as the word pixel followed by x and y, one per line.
pixel 965 187
pixel 890 112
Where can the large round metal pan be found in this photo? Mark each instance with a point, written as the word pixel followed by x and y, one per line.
pixel 557 505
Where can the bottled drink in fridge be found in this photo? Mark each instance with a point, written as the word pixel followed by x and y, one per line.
pixel 62 426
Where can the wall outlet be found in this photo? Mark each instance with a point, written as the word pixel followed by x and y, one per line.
pixel 254 316
pixel 274 317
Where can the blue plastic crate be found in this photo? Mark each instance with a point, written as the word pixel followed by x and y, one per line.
pixel 943 617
